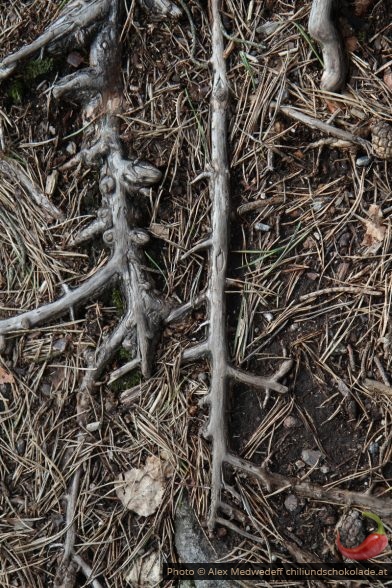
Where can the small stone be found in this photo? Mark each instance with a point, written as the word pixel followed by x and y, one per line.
pixel 324 469
pixel 75 59
pixel 52 131
pixel 21 446
pixel 373 448
pixel 291 503
pixel 92 427
pixel 262 227
pixel 71 148
pixel 299 464
pixel 268 316
pixel 290 422
pixel 310 456
pixel 363 161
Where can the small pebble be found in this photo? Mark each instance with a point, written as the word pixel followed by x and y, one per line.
pixel 299 464
pixel 363 161
pixel 92 427
pixel 71 148
pixel 310 456
pixel 324 469
pixel 75 59
pixel 291 503
pixel 290 422
pixel 268 316
pixel 262 227
pixel 373 449
pixel 21 446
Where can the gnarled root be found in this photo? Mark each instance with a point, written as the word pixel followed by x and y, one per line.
pixel 99 89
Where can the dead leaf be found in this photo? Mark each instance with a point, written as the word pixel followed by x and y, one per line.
pixel 160 231
pixel 332 106
pixel 145 572
pixel 351 43
pixel 361 6
pixel 388 78
pixel 142 490
pixel 375 230
pixel 5 377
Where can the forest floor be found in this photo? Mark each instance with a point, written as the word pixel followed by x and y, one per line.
pixel 310 278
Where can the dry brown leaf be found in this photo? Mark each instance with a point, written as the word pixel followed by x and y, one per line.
pixel 160 231
pixel 375 230
pixel 388 78
pixel 145 572
pixel 141 490
pixel 361 6
pixel 5 377
pixel 351 43
pixel 332 106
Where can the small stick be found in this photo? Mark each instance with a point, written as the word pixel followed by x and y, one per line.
pixel 340 289
pixel 329 129
pixel 381 370
pixel 379 387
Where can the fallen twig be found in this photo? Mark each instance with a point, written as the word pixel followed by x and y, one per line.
pixel 329 129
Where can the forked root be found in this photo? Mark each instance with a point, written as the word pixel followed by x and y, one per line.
pixel 100 91
pixel 215 347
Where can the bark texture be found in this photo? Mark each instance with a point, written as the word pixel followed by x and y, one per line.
pixel 99 89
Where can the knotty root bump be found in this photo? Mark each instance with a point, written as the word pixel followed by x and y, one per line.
pixel 99 89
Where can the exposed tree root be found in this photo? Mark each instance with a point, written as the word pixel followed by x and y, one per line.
pixel 215 347
pixel 99 89
pixel 322 28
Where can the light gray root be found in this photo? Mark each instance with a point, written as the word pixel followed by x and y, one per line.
pixel 215 347
pixel 322 28
pixel 99 89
